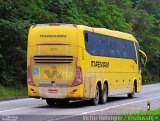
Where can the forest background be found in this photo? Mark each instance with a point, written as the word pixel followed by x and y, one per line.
pixel 140 18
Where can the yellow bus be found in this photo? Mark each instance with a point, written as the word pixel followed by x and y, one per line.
pixel 71 62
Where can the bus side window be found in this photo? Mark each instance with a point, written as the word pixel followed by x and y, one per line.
pixel 102 50
pixel 95 44
pixel 127 49
pixel 87 42
pixel 124 49
pixel 112 47
pixel 104 46
pixel 119 49
pixel 132 52
pixel 86 37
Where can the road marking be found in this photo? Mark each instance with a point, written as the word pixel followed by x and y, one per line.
pixel 16 109
pixel 16 100
pixel 60 118
pixel 102 109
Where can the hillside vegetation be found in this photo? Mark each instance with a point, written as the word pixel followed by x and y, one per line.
pixel 141 18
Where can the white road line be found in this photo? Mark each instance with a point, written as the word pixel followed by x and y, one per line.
pixel 16 109
pixel 102 109
pixel 17 100
pixel 65 117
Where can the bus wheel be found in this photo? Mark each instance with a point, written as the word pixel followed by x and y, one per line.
pixel 103 95
pixel 64 101
pixel 50 102
pixel 131 95
pixel 95 100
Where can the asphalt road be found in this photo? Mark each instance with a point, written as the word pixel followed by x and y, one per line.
pixel 29 109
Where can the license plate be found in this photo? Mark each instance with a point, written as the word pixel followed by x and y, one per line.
pixel 53 91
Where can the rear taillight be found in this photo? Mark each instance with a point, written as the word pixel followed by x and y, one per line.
pixel 78 78
pixel 29 76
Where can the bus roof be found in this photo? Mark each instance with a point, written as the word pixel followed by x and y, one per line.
pixel 103 31
pixel 108 32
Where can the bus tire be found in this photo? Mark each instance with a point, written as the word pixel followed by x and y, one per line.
pixel 103 95
pixel 64 101
pixel 95 100
pixel 50 102
pixel 131 95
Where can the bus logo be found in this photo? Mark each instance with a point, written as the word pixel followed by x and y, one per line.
pixel 53 73
pixel 99 64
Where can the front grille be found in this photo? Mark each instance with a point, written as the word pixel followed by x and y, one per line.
pixel 53 59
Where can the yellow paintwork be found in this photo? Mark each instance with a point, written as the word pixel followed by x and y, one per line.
pixel 33 91
pixel 120 75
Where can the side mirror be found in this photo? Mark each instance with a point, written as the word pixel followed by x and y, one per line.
pixel 144 56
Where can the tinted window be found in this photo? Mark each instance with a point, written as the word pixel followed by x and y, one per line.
pixel 95 43
pixel 102 45
pixel 119 49
pixel 112 46
pixel 104 48
pixel 132 51
pixel 87 42
pixel 125 52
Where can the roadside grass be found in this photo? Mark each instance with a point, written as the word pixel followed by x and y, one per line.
pixel 152 115
pixel 151 112
pixel 7 92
